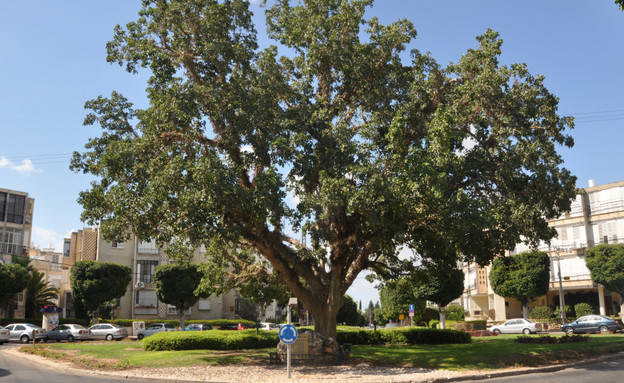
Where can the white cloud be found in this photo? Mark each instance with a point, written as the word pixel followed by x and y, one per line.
pixel 26 167
pixel 48 238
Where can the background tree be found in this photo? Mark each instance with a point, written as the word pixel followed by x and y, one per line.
pixel 247 309
pixel 13 280
pixel 620 3
pixel 441 284
pixel 176 284
pixel 375 152
pixel 263 288
pixel 349 313
pixel 39 293
pixel 396 296
pixel 523 276
pixel 606 265
pixel 369 313
pixel 95 284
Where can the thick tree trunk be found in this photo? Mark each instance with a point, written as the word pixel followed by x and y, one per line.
pixel 442 310
pixel 325 323
pixel 181 317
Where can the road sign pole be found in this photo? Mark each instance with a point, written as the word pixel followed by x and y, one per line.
pixel 288 349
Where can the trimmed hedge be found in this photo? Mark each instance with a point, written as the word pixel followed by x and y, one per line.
pixel 549 339
pixel 210 340
pixel 400 336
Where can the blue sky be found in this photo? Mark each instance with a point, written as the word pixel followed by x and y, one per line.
pixel 53 59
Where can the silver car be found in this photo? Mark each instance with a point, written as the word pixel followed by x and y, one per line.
pixel 23 332
pixel 154 328
pixel 69 332
pixel 4 335
pixel 108 331
pixel 517 326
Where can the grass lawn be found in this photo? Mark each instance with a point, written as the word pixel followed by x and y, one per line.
pixel 483 353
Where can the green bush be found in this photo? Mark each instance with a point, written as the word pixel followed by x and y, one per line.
pixel 434 323
pixel 581 309
pixel 210 340
pixel 408 335
pixel 455 313
pixel 541 312
pixel 430 314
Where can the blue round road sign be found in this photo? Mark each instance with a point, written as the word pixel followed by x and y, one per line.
pixel 288 333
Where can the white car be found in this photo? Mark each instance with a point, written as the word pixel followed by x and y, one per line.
pixel 23 332
pixel 269 326
pixel 154 328
pixel 4 335
pixel 108 331
pixel 517 326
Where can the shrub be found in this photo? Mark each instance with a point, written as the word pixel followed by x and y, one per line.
pixel 551 339
pixel 581 309
pixel 478 333
pixel 455 313
pixel 541 312
pixel 210 340
pixel 434 323
pixel 470 325
pixel 402 336
pixel 430 314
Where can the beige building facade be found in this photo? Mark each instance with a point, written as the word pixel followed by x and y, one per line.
pixel 596 217
pixel 140 301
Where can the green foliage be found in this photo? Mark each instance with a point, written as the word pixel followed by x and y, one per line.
pixel 39 293
pixel 13 279
pixel 581 309
pixel 606 265
pixel 247 309
pixel 547 339
pixel 455 313
pixel 397 295
pixel 541 312
pixel 442 284
pixel 430 314
pixel 349 314
pixel 210 340
pixel 176 284
pixel 402 336
pixel 523 276
pixel 377 151
pixel 96 283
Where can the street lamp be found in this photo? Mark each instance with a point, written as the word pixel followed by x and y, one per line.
pixel 561 299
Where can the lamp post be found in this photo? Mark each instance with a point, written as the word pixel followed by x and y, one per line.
pixel 561 298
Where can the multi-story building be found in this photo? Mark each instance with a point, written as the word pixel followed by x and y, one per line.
pixel 595 217
pixel 140 301
pixel 16 215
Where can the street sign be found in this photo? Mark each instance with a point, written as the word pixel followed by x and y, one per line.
pixel 401 316
pixel 411 310
pixel 288 333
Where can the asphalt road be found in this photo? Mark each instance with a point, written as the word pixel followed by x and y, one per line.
pixel 14 369
pixel 608 371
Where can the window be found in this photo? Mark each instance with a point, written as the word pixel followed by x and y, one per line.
pixel 3 197
pixel 117 245
pixel 11 243
pixel 66 248
pixel 15 208
pixel 145 271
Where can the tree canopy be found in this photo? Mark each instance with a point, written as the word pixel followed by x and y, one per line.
pixel 39 293
pixel 349 313
pixel 396 296
pixel 523 276
pixel 13 279
pixel 441 284
pixel 95 284
pixel 342 140
pixel 176 284
pixel 606 265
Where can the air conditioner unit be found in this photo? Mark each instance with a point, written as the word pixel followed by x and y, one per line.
pixel 140 285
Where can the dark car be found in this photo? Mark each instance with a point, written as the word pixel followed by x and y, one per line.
pixel 592 323
pixel 235 326
pixel 198 327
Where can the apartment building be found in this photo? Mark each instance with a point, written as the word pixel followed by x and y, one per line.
pixel 595 217
pixel 140 301
pixel 16 215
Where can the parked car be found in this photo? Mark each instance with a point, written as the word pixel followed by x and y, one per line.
pixel 108 331
pixel 69 332
pixel 593 323
pixel 517 326
pixel 269 326
pixel 23 332
pixel 154 328
pixel 198 327
pixel 4 335
pixel 235 326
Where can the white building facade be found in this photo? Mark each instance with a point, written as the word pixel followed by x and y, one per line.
pixel 596 217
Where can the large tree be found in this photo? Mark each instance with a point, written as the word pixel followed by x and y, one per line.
pixel 397 295
pixel 349 313
pixel 524 276
pixel 95 284
pixel 176 284
pixel 606 265
pixel 342 140
pixel 39 293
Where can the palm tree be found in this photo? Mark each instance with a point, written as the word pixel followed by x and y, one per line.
pixel 39 293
